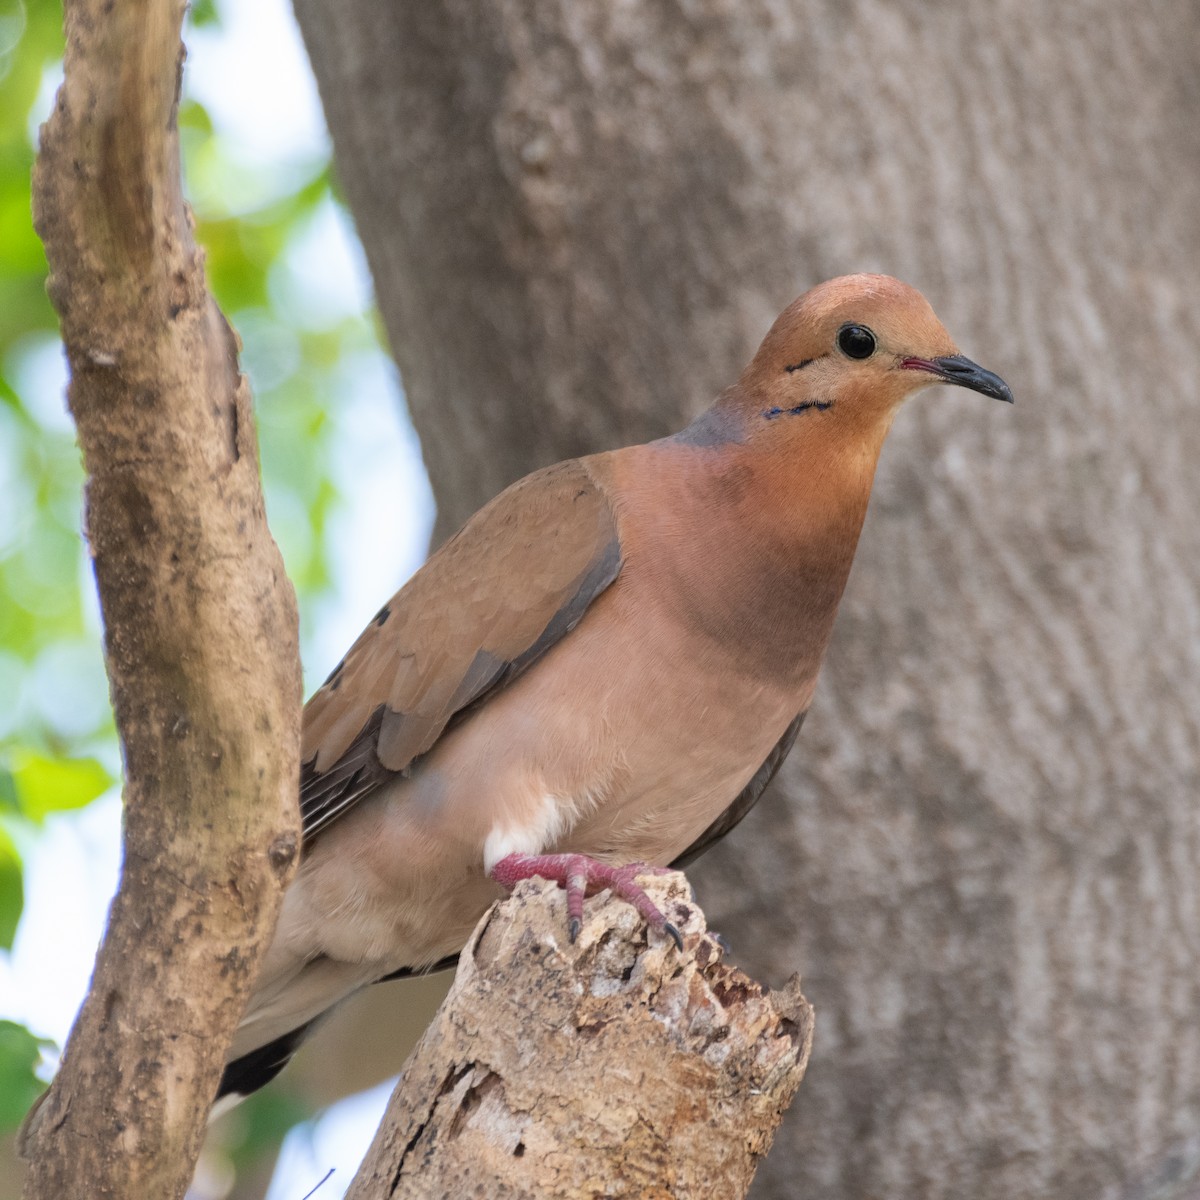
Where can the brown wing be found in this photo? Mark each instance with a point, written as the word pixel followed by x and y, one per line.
pixel 746 799
pixel 513 581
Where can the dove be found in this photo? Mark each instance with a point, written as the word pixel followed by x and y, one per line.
pixel 600 673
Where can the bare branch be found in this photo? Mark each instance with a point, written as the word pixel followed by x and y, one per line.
pixel 605 1068
pixel 200 622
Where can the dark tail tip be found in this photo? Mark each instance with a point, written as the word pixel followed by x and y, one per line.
pixel 252 1071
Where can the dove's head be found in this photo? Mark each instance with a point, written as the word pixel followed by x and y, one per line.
pixel 850 351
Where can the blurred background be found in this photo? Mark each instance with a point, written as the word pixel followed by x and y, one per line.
pixel 984 854
pixel 337 451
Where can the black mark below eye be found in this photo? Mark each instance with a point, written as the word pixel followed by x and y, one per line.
pixel 819 405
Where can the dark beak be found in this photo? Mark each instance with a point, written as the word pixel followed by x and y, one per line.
pixel 962 372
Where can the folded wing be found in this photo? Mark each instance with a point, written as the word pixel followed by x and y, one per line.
pixel 511 583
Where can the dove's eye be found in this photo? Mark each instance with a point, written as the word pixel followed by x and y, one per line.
pixel 856 341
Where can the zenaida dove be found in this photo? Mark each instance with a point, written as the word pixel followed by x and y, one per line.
pixel 605 666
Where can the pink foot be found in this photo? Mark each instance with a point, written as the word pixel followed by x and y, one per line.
pixel 583 876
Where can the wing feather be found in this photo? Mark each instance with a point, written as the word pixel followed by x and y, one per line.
pixel 517 578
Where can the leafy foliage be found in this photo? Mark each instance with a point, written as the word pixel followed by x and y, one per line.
pixel 12 895
pixel 19 1085
pixel 43 784
pixel 42 617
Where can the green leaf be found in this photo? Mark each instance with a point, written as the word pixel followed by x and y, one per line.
pixel 194 116
pixel 12 890
pixel 47 785
pixel 20 1053
pixel 204 12
pixel 8 792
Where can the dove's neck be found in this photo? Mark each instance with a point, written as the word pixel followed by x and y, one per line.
pixel 752 540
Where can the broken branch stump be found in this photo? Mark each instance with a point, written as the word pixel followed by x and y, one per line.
pixel 614 1067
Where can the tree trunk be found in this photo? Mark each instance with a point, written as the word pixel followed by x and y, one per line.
pixel 610 1067
pixel 983 855
pixel 199 621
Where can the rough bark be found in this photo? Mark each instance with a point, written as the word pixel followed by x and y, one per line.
pixel 200 620
pixel 984 853
pixel 614 1067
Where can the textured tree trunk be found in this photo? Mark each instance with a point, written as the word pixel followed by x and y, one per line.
pixel 984 852
pixel 607 1068
pixel 199 621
